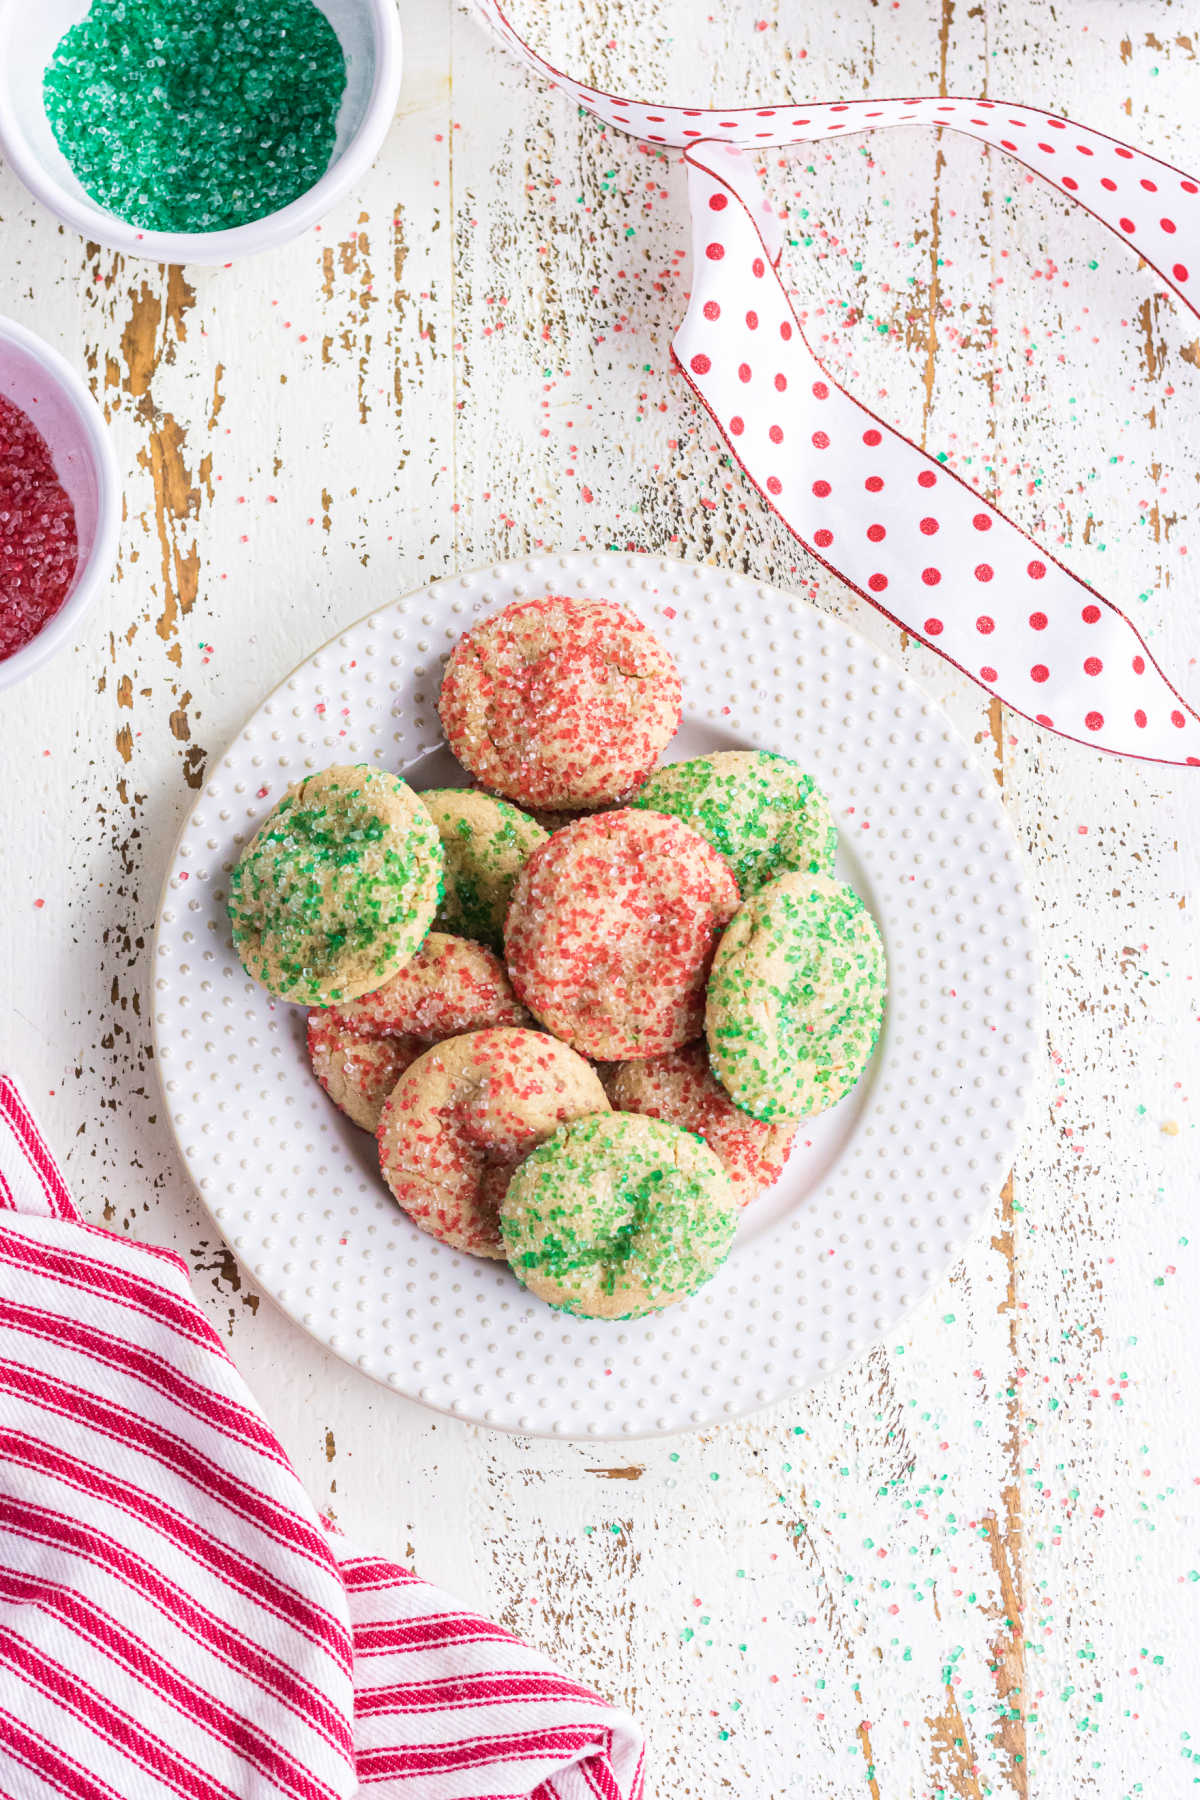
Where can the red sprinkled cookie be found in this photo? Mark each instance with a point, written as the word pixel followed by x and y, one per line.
pixel 560 703
pixel 681 1088
pixel 612 929
pixel 359 1051
pixel 463 1117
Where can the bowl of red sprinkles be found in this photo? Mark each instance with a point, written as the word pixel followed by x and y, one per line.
pixel 59 502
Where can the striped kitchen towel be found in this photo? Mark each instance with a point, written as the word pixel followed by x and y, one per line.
pixel 175 1620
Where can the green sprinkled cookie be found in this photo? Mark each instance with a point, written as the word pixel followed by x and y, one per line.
pixel 338 888
pixel 617 1215
pixel 762 812
pixel 795 998
pixel 486 842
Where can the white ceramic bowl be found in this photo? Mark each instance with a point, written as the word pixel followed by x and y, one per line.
pixel 44 385
pixel 369 31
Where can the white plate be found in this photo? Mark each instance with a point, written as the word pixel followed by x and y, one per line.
pixel 871 1209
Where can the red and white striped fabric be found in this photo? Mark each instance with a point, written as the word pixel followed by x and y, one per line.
pixel 895 524
pixel 175 1620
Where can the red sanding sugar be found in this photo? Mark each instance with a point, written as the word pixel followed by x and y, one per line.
pixel 38 545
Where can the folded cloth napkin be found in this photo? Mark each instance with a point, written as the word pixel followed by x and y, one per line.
pixel 175 1620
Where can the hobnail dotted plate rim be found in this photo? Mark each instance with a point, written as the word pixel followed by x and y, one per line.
pixel 853 1237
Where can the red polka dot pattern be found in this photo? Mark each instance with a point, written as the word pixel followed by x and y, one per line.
pixel 1084 657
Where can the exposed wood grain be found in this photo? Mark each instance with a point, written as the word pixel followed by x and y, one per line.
pixel 967 1566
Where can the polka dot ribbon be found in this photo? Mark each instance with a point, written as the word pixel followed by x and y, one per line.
pixel 894 524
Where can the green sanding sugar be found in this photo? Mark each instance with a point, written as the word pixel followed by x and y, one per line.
pixel 795 997
pixel 762 812
pixel 617 1215
pixel 337 888
pixel 196 115
pixel 487 842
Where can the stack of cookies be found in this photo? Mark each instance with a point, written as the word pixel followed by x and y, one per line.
pixel 584 1004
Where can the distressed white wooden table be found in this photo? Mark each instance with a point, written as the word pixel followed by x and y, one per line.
pixel 972 1565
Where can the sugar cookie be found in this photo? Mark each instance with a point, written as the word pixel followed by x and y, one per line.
pixel 560 703
pixel 611 930
pixel 337 888
pixel 486 841
pixel 680 1087
pixel 360 1050
pixel 616 1216
pixel 463 1116
pixel 795 999
pixel 762 812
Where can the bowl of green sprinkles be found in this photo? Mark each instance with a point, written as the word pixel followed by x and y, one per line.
pixel 195 131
